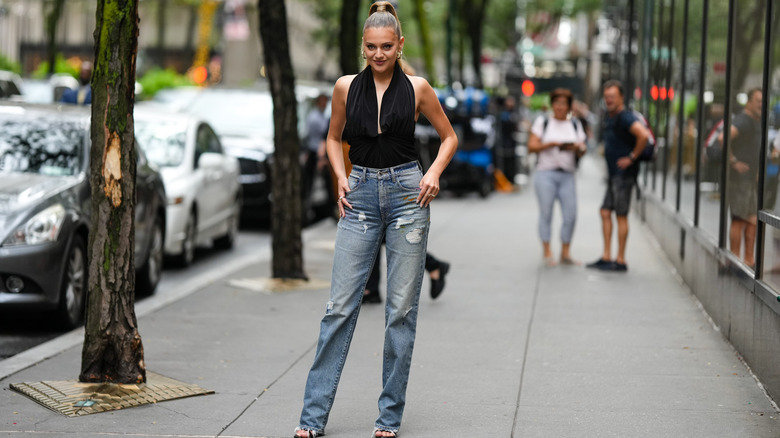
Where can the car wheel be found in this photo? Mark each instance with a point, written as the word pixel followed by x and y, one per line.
pixel 234 221
pixel 74 285
pixel 150 272
pixel 187 254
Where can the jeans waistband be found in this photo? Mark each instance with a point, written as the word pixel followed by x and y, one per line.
pixel 370 172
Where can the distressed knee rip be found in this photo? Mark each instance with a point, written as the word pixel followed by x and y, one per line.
pixel 414 236
pixel 329 308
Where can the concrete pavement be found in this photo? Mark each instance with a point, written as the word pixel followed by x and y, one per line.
pixel 510 349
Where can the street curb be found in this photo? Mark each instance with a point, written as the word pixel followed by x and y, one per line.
pixel 55 346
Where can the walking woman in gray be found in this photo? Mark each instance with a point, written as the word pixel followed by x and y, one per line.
pixel 385 196
pixel 558 141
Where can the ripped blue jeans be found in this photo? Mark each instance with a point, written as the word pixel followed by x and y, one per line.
pixel 383 203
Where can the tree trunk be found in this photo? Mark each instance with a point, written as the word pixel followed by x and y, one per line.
pixel 425 34
pixel 474 18
pixel 52 18
pixel 348 41
pixel 113 351
pixel 286 170
pixel 162 7
pixel 748 35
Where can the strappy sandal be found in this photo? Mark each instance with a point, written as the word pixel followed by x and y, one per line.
pixel 309 433
pixel 376 429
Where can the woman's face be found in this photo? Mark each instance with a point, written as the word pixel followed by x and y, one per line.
pixel 560 107
pixel 381 46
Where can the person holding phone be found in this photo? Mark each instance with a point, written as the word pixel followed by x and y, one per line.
pixel 558 142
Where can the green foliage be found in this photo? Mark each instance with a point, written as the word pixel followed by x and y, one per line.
pixel 7 64
pixel 61 65
pixel 539 102
pixel 157 79
pixel 499 28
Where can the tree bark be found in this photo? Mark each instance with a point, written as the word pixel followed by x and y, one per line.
pixel 286 211
pixel 162 7
pixel 475 16
pixel 348 41
pixel 425 34
pixel 748 35
pixel 113 351
pixel 52 19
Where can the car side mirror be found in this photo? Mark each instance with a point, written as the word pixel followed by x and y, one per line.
pixel 210 160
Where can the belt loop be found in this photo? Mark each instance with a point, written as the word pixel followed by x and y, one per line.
pixel 364 174
pixel 392 174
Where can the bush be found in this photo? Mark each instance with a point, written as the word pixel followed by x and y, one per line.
pixel 61 65
pixel 157 79
pixel 7 64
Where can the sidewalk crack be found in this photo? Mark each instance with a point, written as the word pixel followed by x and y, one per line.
pixel 267 388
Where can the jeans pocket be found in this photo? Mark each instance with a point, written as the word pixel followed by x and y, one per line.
pixel 355 181
pixel 410 181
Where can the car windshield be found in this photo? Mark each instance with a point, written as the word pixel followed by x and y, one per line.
pixel 163 141
pixel 236 114
pixel 43 146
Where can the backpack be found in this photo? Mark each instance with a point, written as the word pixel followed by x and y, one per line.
pixel 648 154
pixel 713 148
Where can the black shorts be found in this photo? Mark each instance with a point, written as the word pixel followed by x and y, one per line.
pixel 618 196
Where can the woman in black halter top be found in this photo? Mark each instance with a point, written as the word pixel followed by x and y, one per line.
pixel 386 196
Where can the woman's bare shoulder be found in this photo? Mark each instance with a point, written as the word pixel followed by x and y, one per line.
pixel 344 82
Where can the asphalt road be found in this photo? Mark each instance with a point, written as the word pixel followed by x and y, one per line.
pixel 20 331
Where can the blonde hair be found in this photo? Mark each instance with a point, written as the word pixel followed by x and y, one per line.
pixel 382 14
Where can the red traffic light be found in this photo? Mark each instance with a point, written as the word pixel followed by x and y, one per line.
pixel 654 92
pixel 528 88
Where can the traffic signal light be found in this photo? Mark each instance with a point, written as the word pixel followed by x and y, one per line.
pixel 528 88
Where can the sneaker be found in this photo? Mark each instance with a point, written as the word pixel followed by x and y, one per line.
pixel 619 267
pixel 600 264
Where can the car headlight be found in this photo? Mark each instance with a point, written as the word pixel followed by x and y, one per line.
pixel 42 228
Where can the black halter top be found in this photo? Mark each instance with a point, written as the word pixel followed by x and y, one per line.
pixel 395 145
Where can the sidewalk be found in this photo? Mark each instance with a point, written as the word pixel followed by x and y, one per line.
pixel 510 349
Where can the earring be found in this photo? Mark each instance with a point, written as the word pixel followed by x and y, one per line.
pixel 399 54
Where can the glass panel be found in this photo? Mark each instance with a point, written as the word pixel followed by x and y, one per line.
pixel 657 107
pixel 714 99
pixel 773 127
pixel 771 262
pixel 745 144
pixel 692 87
pixel 672 101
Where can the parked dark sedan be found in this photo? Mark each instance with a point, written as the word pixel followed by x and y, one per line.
pixel 45 211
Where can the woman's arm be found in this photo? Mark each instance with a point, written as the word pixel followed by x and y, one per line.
pixel 338 118
pixel 431 108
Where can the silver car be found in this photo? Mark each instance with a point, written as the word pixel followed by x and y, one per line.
pixel 45 211
pixel 201 181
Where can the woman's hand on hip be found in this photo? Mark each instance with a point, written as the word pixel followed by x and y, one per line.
pixel 429 188
pixel 342 201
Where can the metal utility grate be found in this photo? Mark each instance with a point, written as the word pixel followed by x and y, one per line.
pixel 74 399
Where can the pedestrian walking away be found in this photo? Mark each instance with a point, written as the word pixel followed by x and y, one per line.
pixel 625 137
pixel 558 141
pixel 437 271
pixel 386 195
